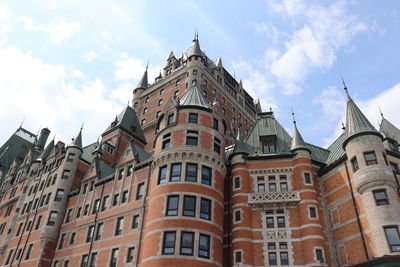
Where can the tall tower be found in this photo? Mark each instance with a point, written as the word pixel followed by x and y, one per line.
pixel 184 224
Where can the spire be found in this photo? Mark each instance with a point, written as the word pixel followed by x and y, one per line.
pixel 143 84
pixel 195 50
pixel 218 63
pixel 356 122
pixel 77 141
pixel 194 97
pixel 297 140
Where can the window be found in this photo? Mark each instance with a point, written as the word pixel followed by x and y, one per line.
pixel 129 171
pixel 89 234
pixel 124 197
pixel 206 175
pixel 381 197
pixel 61 242
pixel 143 122
pixel 39 220
pixel 192 138
pixel 70 157
pixel 237 182
pixel 176 93
pixel 160 102
pixel 370 158
pixel 162 175
pixel 52 218
pixel 238 216
pixel 9 257
pixel 66 174
pixel 86 211
pixel 135 221
pixel 395 167
pixel 187 243
pixel 115 199
pixel 28 226
pixel 313 212
pixel 272 258
pixel 307 178
pixel 319 255
pixel 66 263
pixel 268 144
pixel 238 256
pixel 205 209
pixel 104 203
pixel 145 110
pixel 93 259
pixel 99 231
pixel 284 186
pixel 215 124
pixel 140 191
pixel 59 195
pixel 120 174
pixel 189 206
pixel 393 238
pixel 114 257
pixel 166 141
pixel 162 91
pixel 204 246
pixel 172 205
pixel 281 222
pixel 96 206
pixel 84 260
pixel 18 254
pixel 191 172
pixel 158 114
pixel 146 100
pixel 178 82
pixel 193 117
pixel 170 119
pixel 217 145
pixel 19 229
pixel 72 238
pixel 169 243
pixel 175 172
pixel 354 164
pixel 28 252
pixel 130 254
pixel 119 226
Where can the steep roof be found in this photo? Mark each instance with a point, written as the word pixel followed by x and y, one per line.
pixel 46 152
pixel 143 83
pixel 297 140
pixel 141 154
pixel 103 169
pixel 356 122
pixel 128 121
pixel 194 97
pixel 388 130
pixel 78 139
pixel 88 151
pixel 194 50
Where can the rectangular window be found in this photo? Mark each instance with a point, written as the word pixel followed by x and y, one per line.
pixel 284 187
pixel 96 206
pixel 187 243
pixel 93 259
pixel 121 174
pixel 261 188
pixel 115 199
pixel 129 172
pixel 39 220
pixel 66 174
pixel 189 206
pixel 119 226
pixel 281 222
pixel 89 234
pixel 237 183
pixel 193 117
pixel 272 187
pixel 66 263
pixel 9 257
pixel 19 229
pixel 70 157
pixel 393 238
pixel 270 222
pixel 272 258
pixel 114 257
pixel 215 124
pixel 28 252
pixel 395 167
pixel 381 197
pixel 319 255
pixel 130 254
pixel 52 218
pixel 166 143
pixel 170 119
pixel 204 246
pixel 104 203
pixel 313 212
pixel 59 195
pixel 18 254
pixel 370 158
pixel 99 231
pixel 61 242
pixel 191 172
pixel 162 175
pixel 237 216
pixel 307 178
pixel 124 197
pixel 271 246
pixel 206 175
pixel 72 238
pixel 205 209
pixel 354 164
pixel 238 256
pixel 172 205
pixel 140 191
pixel 191 140
pixel 217 145
pixel 169 243
pixel 175 172
pixel 135 221
pixel 84 260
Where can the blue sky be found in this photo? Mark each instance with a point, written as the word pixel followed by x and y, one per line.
pixel 65 62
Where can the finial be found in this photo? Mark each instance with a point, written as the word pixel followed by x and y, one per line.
pixel 380 111
pixel 270 109
pixel 343 127
pixel 294 119
pixel 22 122
pixel 344 85
pixel 147 64
pixel 83 122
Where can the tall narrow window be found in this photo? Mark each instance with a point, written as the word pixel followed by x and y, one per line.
pixel 114 257
pixel 354 164
pixel 52 218
pixel 140 191
pixel 237 182
pixel 192 138
pixel 393 238
pixel 169 243
pixel 124 197
pixel 9 257
pixel 238 216
pixel 162 175
pixel 187 243
pixel 307 178
pixel 166 141
pixel 205 209
pixel 130 254
pixel 59 195
pixel 381 197
pixel 238 256
pixel 175 172
pixel 313 212
pixel 215 124
pixel 96 206
pixel 189 206
pixel 28 252
pixel 206 175
pixel 217 145
pixel 135 221
pixel 272 258
pixel 115 199
pixel 39 220
pixel 172 205
pixel 281 222
pixel 370 158
pixel 89 234
pixel 104 203
pixel 72 238
pixel 99 231
pixel 170 119
pixel 204 246
pixel 191 172
pixel 85 260
pixel 93 259
pixel 61 241
pixel 119 226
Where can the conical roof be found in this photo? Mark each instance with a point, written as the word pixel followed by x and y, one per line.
pixel 194 97
pixel 194 50
pixel 356 122
pixel 297 140
pixel 388 130
pixel 143 84
pixel 78 140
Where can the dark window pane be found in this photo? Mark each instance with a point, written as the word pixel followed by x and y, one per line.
pixel 204 246
pixel 189 206
pixel 162 175
pixel 191 172
pixel 205 209
pixel 193 117
pixel 206 175
pixel 172 205
pixel 175 172
pixel 169 243
pixel 187 243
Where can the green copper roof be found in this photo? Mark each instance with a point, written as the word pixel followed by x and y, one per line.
pixel 336 149
pixel 141 154
pixel 194 97
pixel 356 122
pixel 88 151
pixel 103 169
pixel 297 140
pixel 388 130
pixel 128 121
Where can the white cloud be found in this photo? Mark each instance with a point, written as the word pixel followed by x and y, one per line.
pixel 131 68
pixel 90 56
pixel 323 31
pixel 58 30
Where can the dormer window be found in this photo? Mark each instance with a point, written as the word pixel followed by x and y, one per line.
pixel 393 146
pixel 268 144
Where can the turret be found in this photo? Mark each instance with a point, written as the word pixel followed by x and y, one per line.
pixel 298 145
pixel 41 141
pixel 195 59
pixel 141 87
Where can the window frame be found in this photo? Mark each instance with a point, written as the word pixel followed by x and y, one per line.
pixel 381 201
pixel 172 211
pixel 165 247
pixel 183 246
pixel 186 210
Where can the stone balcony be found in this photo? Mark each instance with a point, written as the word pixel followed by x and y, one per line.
pixel 274 199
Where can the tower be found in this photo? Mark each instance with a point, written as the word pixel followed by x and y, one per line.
pixel 143 84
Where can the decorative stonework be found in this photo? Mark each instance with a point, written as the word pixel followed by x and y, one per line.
pixel 273 199
pixel 274 170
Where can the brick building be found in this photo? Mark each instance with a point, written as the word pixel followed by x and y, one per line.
pixel 194 173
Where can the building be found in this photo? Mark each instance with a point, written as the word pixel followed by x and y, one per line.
pixel 194 173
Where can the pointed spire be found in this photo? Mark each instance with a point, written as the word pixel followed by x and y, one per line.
pixel 99 151
pixel 77 141
pixel 356 122
pixel 143 84
pixel 195 50
pixel 297 140
pixel 380 111
pixel 171 55
pixel 218 63
pixel 345 89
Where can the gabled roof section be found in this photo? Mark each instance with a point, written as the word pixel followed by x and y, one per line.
pixel 356 122
pixel 194 97
pixel 140 154
pixel 88 151
pixel 103 169
pixel 128 121
pixel 336 150
pixel 388 130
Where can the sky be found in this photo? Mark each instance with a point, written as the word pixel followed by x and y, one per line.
pixel 64 63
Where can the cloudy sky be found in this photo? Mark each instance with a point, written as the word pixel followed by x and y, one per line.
pixel 67 62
